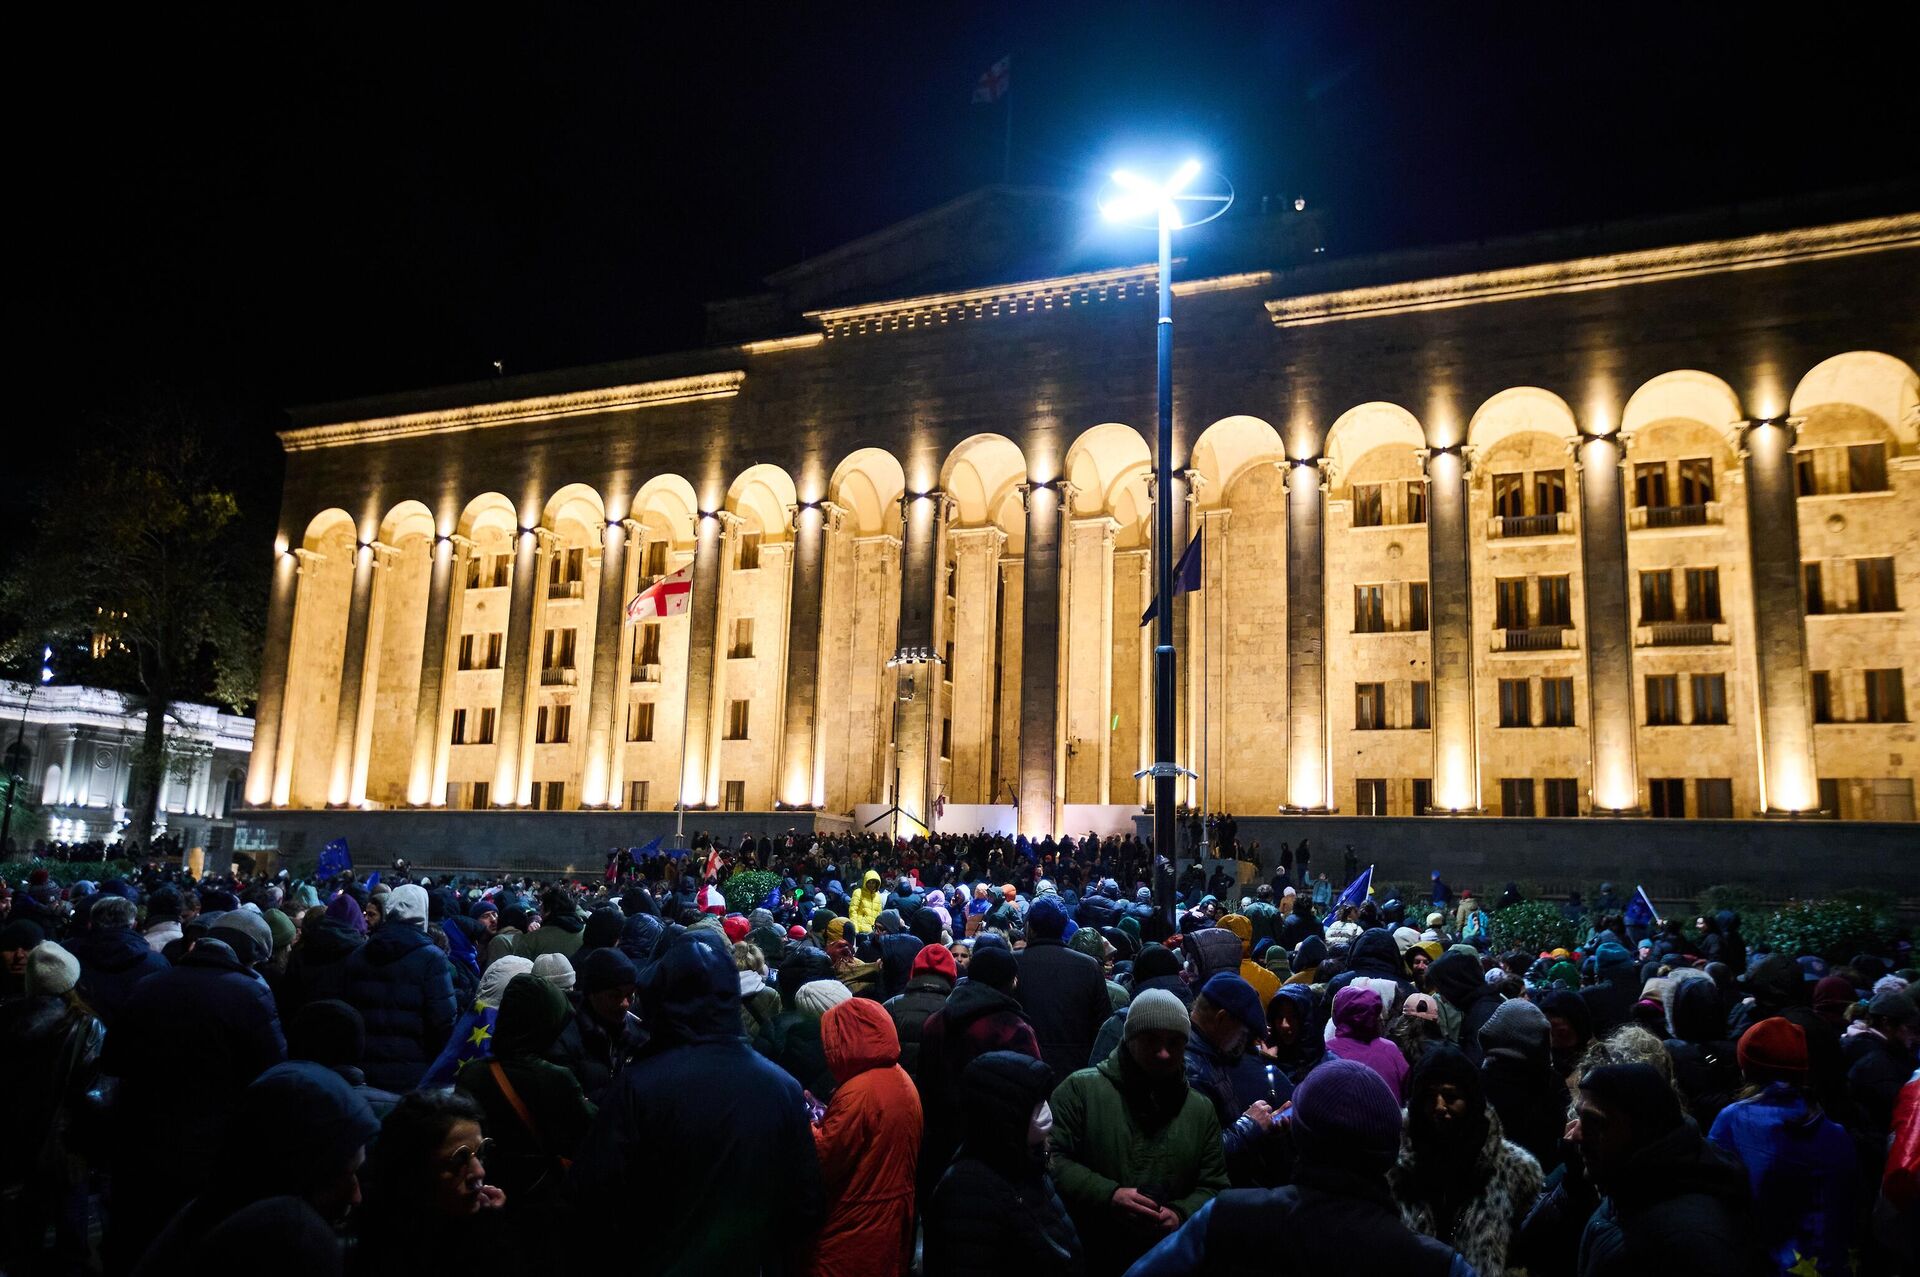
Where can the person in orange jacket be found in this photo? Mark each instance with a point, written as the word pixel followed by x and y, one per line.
pixel 869 1147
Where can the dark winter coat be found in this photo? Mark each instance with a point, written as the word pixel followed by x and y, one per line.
pixel 49 1056
pixel 1506 1180
pixel 402 985
pixel 1065 998
pixel 924 994
pixel 738 1163
pixel 317 967
pixel 1458 979
pixel 111 964
pixel 1232 1086
pixel 1876 1070
pixel 531 1014
pixel 1706 1067
pixel 1531 1100
pixel 1611 999
pixel 1376 956
pixel 1210 951
pixel 996 1206
pixel 1681 1207
pixel 593 1052
pixel 976 1019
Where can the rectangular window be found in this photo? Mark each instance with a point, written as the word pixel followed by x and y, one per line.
pixel 1417 606
pixel 1805 479
pixel 1713 798
pixel 1422 704
pixel 736 795
pixel 496 647
pixel 749 556
pixel 1873 583
pixel 1886 696
pixel 562 724
pixel 1556 702
pixel 1370 797
pixel 466 651
pixel 1556 601
pixel 559 649
pixel 1563 796
pixel 1369 510
pixel 1667 798
pixel 1703 594
pixel 1416 501
pixel 1650 483
pixel 502 570
pixel 1516 797
pixel 742 644
pixel 953 582
pixel 1369 609
pixel 1822 696
pixel 1663 700
pixel 540 725
pixel 737 720
pixel 649 645
pixel 946 738
pixel 1510 603
pixel 1656 596
pixel 1516 708
pixel 1369 707
pixel 459 727
pixel 1709 698
pixel 1829 797
pixel 637 794
pixel 1550 492
pixel 473 572
pixel 1422 796
pixel 1810 584
pixel 640 721
pixel 565 567
pixel 485 736
pixel 482 794
pixel 556 795
pixel 655 559
pixel 1510 496
pixel 1867 467
pixel 1696 481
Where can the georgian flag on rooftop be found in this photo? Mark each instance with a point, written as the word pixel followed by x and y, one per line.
pixel 671 595
pixel 994 82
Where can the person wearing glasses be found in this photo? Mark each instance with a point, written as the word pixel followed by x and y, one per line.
pixel 427 1195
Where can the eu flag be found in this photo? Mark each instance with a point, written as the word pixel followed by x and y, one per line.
pixel 1358 890
pixel 1186 578
pixel 460 947
pixel 472 1040
pixel 334 860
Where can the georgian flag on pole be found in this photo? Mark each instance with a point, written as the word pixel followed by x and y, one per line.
pixel 994 82
pixel 669 596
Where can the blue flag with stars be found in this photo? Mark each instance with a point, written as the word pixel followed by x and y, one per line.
pixel 334 859
pixel 472 1040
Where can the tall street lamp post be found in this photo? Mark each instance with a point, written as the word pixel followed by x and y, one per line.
pixel 1166 207
pixel 19 746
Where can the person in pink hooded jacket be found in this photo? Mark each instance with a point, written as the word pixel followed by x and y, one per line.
pixel 1356 1036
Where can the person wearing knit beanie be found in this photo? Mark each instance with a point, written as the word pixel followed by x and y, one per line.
pixel 1046 919
pixel 1517 1028
pixel 1153 1009
pixel 994 966
pixel 1774 1050
pixel 605 969
pixel 51 971
pixel 935 959
pixel 246 933
pixel 817 997
pixel 1344 1115
pixel 555 969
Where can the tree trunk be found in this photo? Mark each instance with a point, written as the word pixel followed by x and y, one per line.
pixel 149 770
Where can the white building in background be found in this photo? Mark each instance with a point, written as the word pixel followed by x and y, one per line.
pixel 74 748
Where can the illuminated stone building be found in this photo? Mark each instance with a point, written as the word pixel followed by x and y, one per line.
pixel 1622 520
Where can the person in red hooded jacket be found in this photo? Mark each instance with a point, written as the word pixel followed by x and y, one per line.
pixel 869 1147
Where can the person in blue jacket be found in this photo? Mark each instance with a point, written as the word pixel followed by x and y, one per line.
pixel 402 985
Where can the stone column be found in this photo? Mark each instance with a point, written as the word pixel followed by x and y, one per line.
pixel 1456 753
pixel 794 773
pixel 517 674
pixel 1787 774
pixel 1187 622
pixel 703 616
pixel 264 765
pixel 604 694
pixel 68 737
pixel 1040 659
pixel 285 742
pixel 1308 762
pixel 1210 657
pixel 1088 659
pixel 1609 638
pixel 917 657
pixel 346 783
pixel 446 588
pixel 976 559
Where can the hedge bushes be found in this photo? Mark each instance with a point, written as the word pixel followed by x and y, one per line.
pixel 1834 929
pixel 745 891
pixel 15 872
pixel 1533 926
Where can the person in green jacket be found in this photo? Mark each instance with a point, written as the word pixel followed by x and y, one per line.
pixel 536 1113
pixel 1135 1151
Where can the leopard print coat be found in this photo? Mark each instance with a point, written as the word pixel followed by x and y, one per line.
pixel 1510 1181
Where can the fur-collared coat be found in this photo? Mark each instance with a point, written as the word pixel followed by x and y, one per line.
pixel 1509 1183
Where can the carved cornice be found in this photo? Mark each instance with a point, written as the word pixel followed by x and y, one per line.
pixel 1025 298
pixel 1581 274
pixel 648 394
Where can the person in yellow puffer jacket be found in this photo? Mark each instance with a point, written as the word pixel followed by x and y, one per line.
pixel 1264 982
pixel 867 902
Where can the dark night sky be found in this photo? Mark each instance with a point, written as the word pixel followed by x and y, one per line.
pixel 275 207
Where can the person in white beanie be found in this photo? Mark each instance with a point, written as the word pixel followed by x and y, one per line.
pixel 49 1048
pixel 402 984
pixel 555 969
pixel 817 997
pixel 408 904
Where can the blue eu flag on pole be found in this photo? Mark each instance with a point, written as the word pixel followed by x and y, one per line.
pixel 1358 890
pixel 1186 578
pixel 334 859
pixel 641 853
pixel 472 1040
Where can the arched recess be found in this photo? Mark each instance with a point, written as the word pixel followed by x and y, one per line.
pixel 1880 386
pixel 1361 430
pixel 326 550
pixel 860 619
pixel 566 599
pixel 982 476
pixel 1517 411
pixel 1685 394
pixel 1681 453
pixel 650 718
pixel 394 641
pixel 752 633
pixel 478 603
pixel 1226 450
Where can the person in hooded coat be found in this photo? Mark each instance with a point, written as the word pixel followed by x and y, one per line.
pixel 982 1014
pixel 113 957
pixel 1264 982
pixel 1457 1178
pixel 1307 958
pixel 710 1159
pixel 317 967
pixel 1516 1070
pixel 1064 992
pixel 1616 988
pixel 1294 1041
pixel 868 901
pixel 332 1034
pixel 562 930
pixel 640 938
pixel 933 976
pixel 1569 1029
pixel 1777 987
pixel 1457 978
pixel 536 1112
pixel 402 985
pixel 1356 1036
pixel 868 1144
pixel 1705 1065
pixel 600 1034
pixel 997 1200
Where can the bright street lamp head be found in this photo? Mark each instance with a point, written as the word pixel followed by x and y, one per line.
pixel 1140 201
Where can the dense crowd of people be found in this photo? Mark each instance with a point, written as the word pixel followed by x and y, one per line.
pixel 964 1055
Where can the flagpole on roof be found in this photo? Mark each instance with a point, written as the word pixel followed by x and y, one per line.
pixel 1006 145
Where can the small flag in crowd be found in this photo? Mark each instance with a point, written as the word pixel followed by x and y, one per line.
pixel 460 947
pixel 1358 890
pixel 334 859
pixel 373 880
pixel 472 1040
pixel 671 595
pixel 1186 578
pixel 994 82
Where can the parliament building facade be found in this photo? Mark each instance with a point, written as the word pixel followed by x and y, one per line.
pixel 1623 521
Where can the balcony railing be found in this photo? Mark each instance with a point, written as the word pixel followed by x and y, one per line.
pixel 564 589
pixel 1681 634
pixel 1535 638
pixel 1507 526
pixel 1703 514
pixel 647 673
pixel 559 675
